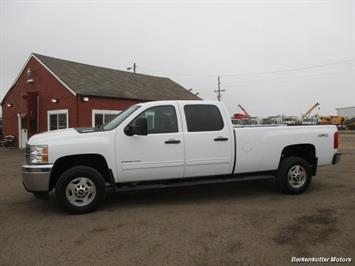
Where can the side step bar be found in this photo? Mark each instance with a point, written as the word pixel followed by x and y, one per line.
pixel 183 182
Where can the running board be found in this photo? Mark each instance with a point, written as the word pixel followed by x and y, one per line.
pixel 185 182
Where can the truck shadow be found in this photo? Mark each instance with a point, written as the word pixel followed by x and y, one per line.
pixel 191 194
pixel 253 190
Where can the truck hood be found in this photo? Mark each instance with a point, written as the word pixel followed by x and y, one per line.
pixel 50 136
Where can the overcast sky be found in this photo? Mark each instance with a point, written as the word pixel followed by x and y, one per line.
pixel 193 42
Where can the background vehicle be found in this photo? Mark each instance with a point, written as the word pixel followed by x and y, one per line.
pixel 243 119
pixel 239 116
pixel 350 123
pixel 171 143
pixel 292 120
pixel 310 121
pixel 335 120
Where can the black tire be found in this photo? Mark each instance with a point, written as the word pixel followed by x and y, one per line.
pixel 288 170
pixel 93 180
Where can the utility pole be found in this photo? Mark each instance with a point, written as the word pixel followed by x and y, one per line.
pixel 132 67
pixel 219 96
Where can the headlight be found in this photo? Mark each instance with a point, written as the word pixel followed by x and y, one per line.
pixel 37 154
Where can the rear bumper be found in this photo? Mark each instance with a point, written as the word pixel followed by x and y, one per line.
pixel 36 177
pixel 336 158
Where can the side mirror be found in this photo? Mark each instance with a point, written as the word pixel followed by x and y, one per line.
pixel 128 130
pixel 140 127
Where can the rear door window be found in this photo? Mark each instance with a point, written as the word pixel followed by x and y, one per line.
pixel 203 118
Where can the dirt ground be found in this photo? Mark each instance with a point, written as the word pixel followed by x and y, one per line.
pixel 231 224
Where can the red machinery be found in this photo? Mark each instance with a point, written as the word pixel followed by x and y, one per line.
pixel 242 117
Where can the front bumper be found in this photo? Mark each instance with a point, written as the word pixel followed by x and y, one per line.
pixel 336 158
pixel 36 177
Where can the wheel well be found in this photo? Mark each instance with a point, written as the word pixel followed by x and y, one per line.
pixel 305 151
pixel 62 164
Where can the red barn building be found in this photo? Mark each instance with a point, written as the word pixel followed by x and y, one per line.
pixel 51 93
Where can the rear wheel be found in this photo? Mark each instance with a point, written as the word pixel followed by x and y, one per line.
pixel 294 175
pixel 80 189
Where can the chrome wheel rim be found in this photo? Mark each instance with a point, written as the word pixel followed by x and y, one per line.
pixel 80 191
pixel 297 176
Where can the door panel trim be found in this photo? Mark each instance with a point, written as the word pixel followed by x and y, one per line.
pixel 148 165
pixel 208 161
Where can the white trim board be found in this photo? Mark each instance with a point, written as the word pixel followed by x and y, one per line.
pixel 22 69
pixel 16 79
pixel 54 75
pixel 47 68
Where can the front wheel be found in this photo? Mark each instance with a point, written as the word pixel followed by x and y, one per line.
pixel 80 189
pixel 294 175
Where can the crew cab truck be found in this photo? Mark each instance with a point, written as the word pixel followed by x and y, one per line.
pixel 171 143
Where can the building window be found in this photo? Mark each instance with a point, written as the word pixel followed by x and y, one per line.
pixel 102 117
pixel 57 119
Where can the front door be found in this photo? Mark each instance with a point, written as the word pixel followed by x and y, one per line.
pixel 22 137
pixel 160 154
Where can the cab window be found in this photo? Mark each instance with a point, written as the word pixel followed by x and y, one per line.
pixel 161 119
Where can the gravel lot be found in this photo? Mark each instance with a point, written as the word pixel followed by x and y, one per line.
pixel 231 224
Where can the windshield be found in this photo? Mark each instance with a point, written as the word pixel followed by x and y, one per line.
pixel 120 118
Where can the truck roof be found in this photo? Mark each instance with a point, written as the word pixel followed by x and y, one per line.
pixel 180 101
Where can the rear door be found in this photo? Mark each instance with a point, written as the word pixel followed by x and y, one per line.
pixel 208 140
pixel 160 154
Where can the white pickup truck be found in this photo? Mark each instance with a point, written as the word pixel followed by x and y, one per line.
pixel 171 143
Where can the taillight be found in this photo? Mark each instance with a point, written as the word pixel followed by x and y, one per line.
pixel 336 140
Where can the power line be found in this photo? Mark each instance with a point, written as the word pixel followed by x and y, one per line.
pixel 254 73
pixel 292 69
pixel 178 74
pixel 276 82
pixel 304 76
